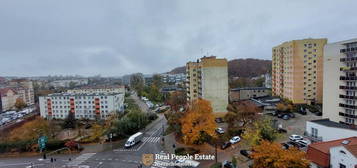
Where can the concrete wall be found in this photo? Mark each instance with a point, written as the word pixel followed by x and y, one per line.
pixel 332 81
pixel 346 158
pixel 215 87
pixel 330 133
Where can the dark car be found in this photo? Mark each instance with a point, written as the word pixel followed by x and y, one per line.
pixel 295 144
pixel 228 164
pixel 225 145
pixel 318 113
pixel 286 145
pixel 246 153
pixel 292 115
pixel 219 120
pixel 280 115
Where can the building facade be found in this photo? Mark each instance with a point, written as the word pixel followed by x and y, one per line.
pixel 207 78
pixel 82 105
pixel 98 89
pixel 237 94
pixel 24 89
pixel 8 98
pixel 340 98
pixel 297 70
pixel 267 80
pixel 173 78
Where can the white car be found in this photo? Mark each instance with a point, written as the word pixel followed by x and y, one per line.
pixel 220 130
pixel 234 140
pixel 295 137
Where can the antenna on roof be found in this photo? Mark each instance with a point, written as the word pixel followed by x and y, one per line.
pixel 345 142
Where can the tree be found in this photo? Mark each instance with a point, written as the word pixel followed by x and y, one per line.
pixel 198 121
pixel 271 155
pixel 20 104
pixel 177 100
pixel 284 107
pixel 261 129
pixel 137 83
pixel 70 121
pixel 241 113
pixel 157 81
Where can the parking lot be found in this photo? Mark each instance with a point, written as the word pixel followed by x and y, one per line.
pixel 10 117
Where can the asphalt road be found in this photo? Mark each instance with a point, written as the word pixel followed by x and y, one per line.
pixel 115 157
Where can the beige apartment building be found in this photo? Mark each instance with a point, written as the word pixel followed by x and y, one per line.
pixel 7 99
pixel 207 78
pixel 297 70
pixel 340 69
pixel 24 89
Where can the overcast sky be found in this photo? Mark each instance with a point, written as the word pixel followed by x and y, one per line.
pixel 116 37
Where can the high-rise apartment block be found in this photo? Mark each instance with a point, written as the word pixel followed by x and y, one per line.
pixel 208 79
pixel 24 89
pixel 340 76
pixel 297 70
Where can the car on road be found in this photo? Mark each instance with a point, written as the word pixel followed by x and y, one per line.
pixel 225 145
pixel 295 137
pixel 218 120
pixel 228 164
pixel 133 140
pixel 220 130
pixel 246 153
pixel 235 139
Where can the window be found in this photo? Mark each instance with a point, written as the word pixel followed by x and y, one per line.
pixel 314 132
pixel 342 165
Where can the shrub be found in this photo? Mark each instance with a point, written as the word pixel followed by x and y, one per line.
pixel 216 165
pixel 152 116
pixel 185 151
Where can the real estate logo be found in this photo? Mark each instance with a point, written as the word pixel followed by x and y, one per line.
pixel 148 159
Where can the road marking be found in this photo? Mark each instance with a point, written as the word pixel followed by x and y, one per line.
pixel 151 139
pixel 150 136
pixel 80 159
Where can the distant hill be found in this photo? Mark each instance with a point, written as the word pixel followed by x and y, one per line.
pixel 240 67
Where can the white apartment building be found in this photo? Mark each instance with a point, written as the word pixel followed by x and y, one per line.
pixel 339 88
pixel 83 105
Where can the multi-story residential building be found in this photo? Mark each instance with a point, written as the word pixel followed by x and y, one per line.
pixel 237 94
pixel 208 79
pixel 297 70
pixel 340 76
pixel 173 78
pixel 82 105
pixel 267 80
pixel 8 98
pixel 98 89
pixel 24 89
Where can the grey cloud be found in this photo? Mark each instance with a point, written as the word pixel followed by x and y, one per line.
pixel 116 37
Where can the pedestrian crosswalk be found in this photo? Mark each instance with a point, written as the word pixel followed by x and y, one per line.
pixel 151 139
pixel 137 147
pixel 80 159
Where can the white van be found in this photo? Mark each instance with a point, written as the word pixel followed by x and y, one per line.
pixel 134 139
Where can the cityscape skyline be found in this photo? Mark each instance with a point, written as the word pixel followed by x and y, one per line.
pixel 116 38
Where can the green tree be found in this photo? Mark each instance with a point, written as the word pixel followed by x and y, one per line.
pixel 70 121
pixel 261 129
pixel 137 83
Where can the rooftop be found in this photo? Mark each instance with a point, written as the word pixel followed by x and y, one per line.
pixel 328 123
pixel 81 94
pixel 325 146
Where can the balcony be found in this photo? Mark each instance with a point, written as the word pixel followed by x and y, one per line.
pixel 347 115
pixel 346 50
pixel 348 68
pixel 347 106
pixel 348 77
pixel 347 97
pixel 348 87
pixel 350 59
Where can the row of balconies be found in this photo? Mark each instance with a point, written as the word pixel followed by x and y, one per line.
pixel 347 106
pixel 353 49
pixel 348 77
pixel 348 68
pixel 347 97
pixel 347 115
pixel 348 59
pixel 348 87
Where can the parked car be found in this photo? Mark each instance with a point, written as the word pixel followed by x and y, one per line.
pixel 235 139
pixel 295 137
pixel 246 153
pixel 303 143
pixel 287 145
pixel 291 115
pixel 228 164
pixel 225 145
pixel 295 144
pixel 318 113
pixel 220 130
pixel 280 115
pixel 286 117
pixel 219 120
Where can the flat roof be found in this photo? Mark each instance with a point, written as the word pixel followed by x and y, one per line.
pixel 328 123
pixel 249 88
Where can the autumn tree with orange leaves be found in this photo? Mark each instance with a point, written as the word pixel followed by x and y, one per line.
pixel 197 121
pixel 271 155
